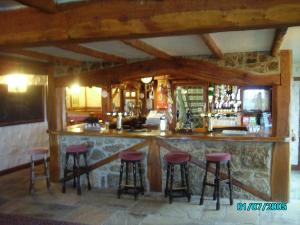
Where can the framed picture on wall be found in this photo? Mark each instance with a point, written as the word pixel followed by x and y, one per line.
pixel 19 108
pixel 256 99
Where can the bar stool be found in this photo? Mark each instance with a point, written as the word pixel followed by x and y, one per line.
pixel 133 158
pixel 218 159
pixel 34 154
pixel 181 159
pixel 76 151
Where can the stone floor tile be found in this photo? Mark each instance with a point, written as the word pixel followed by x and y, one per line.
pixel 295 185
pixel 89 215
pixel 123 217
pixel 103 206
pixel 146 207
pixel 181 210
pixel 169 220
pixel 212 215
pixel 241 217
pixel 290 216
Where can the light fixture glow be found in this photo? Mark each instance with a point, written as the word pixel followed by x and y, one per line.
pixel 146 80
pixel 104 93
pixel 132 94
pixel 16 83
pixel 75 89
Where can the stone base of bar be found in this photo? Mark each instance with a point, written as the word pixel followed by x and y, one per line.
pixel 251 162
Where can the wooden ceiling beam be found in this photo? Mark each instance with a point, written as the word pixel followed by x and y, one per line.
pixel 108 20
pixel 43 56
pixel 93 53
pixel 10 64
pixel 186 68
pixel 277 41
pixel 211 44
pixel 143 46
pixel 48 6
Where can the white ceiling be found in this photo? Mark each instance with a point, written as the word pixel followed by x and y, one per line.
pixel 184 45
pixel 118 48
pixel 68 1
pixel 20 56
pixel 292 41
pixel 244 41
pixel 10 5
pixel 55 51
pixel 187 45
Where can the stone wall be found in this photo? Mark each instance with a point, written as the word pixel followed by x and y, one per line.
pixel 63 70
pixel 16 140
pixel 256 62
pixel 102 147
pixel 251 162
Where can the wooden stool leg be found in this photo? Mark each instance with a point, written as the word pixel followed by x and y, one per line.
pixel 217 182
pixel 134 180
pixel 87 171
pixel 74 168
pixel 215 185
pixel 120 179
pixel 188 194
pixel 126 173
pixel 46 172
pixel 141 178
pixel 171 184
pixel 31 174
pixel 230 183
pixel 204 183
pixel 182 168
pixel 77 173
pixel 167 180
pixel 65 173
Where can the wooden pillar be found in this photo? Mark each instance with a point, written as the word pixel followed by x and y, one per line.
pixel 280 177
pixel 56 121
pixel 107 101
pixel 154 166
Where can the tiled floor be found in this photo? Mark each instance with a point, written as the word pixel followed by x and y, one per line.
pixel 295 185
pixel 100 207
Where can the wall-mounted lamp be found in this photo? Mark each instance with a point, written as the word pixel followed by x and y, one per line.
pixel 104 93
pixel 16 83
pixel 75 89
pixel 133 94
pixel 146 80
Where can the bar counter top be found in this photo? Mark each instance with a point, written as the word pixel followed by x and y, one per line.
pixel 79 130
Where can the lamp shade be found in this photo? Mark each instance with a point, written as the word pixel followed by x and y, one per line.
pixel 146 80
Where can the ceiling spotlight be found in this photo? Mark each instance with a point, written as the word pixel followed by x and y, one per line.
pixel 146 80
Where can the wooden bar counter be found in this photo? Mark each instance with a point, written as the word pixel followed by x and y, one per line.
pixel 78 130
pixel 251 156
